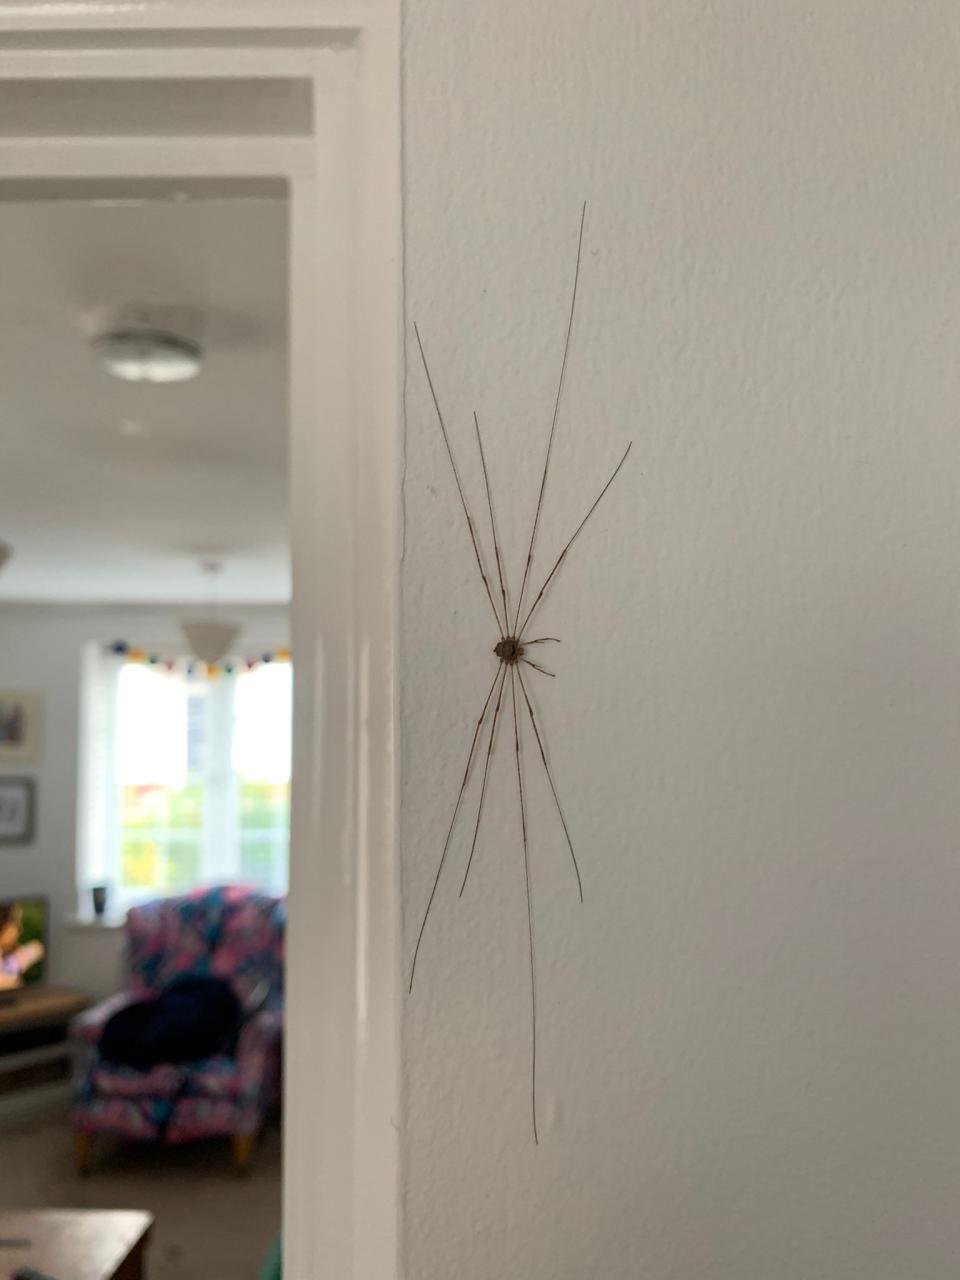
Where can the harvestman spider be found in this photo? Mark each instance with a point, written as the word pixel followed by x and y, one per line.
pixel 511 651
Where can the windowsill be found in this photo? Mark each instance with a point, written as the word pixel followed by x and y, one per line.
pixel 103 924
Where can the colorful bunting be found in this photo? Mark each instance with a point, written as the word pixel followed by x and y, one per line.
pixel 191 668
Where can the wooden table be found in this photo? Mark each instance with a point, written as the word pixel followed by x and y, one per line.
pixel 36 1056
pixel 38 1007
pixel 75 1244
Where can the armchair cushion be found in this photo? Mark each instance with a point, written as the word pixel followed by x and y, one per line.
pixel 254 1069
pixel 115 1081
pixel 214 1078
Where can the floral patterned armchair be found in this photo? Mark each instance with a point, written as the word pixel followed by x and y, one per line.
pixel 233 933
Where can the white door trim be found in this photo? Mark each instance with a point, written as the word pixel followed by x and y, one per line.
pixel 340 1185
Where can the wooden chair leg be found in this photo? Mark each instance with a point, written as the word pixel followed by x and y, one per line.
pixel 242 1151
pixel 83 1150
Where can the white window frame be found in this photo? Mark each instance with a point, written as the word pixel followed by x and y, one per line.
pixel 343 989
pixel 98 845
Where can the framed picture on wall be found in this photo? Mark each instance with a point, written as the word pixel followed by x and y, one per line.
pixel 20 714
pixel 17 807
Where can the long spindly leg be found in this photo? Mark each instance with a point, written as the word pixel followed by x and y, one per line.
pixel 456 475
pixel 536 666
pixel 553 786
pixel 553 425
pixel 486 771
pixel 453 821
pixel 541 640
pixel 576 534
pixel 526 879
pixel 493 527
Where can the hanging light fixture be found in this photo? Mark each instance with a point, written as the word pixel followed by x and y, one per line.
pixel 210 638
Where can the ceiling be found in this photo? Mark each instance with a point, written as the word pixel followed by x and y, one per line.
pixel 115 492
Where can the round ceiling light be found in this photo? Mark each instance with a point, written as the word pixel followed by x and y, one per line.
pixel 148 355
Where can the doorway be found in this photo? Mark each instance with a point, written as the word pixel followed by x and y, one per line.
pixel 142 96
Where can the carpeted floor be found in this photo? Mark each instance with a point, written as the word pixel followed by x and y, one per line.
pixel 210 1223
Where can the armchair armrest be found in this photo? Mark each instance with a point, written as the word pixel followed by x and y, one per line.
pixel 87 1027
pixel 258 1053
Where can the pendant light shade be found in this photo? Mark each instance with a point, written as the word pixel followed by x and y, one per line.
pixel 209 638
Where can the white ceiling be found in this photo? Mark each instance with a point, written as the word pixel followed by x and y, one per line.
pixel 112 491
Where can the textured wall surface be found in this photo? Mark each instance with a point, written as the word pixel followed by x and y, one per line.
pixel 750 1044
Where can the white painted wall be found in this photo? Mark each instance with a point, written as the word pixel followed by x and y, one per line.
pixel 40 649
pixel 750 1044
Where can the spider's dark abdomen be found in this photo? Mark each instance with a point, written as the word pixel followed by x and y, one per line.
pixel 509 649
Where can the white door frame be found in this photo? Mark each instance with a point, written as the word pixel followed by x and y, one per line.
pixel 340 1184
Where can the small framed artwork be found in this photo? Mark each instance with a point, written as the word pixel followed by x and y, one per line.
pixel 17 807
pixel 19 726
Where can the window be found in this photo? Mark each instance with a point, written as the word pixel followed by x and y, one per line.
pixel 186 779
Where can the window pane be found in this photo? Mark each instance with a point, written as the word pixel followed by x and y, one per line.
pixel 184 862
pixel 264 805
pixel 261 762
pixel 186 806
pixel 261 732
pixel 263 860
pixel 140 863
pixel 151 727
pixel 145 806
pixel 161 748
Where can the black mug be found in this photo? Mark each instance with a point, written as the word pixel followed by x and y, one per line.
pixel 99 892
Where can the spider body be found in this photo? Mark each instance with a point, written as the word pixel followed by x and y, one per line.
pixel 509 650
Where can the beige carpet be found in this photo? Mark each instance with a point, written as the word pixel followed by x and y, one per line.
pixel 210 1223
